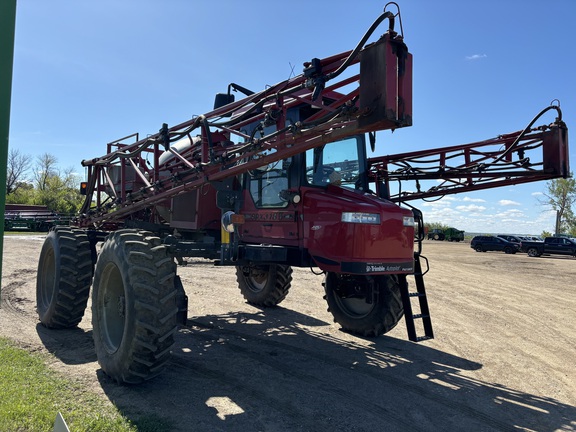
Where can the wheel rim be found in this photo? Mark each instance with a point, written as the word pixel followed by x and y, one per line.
pixel 355 307
pixel 112 301
pixel 256 278
pixel 48 279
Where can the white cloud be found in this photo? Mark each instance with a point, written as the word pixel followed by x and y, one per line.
pixel 476 57
pixel 448 198
pixel 441 212
pixel 471 208
pixel 537 194
pixel 511 213
pixel 490 214
pixel 443 202
pixel 508 203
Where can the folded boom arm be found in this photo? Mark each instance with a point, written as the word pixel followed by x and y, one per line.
pixel 532 154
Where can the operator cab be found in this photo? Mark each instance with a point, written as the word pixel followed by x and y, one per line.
pixel 340 163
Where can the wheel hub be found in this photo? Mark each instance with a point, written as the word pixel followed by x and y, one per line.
pixel 257 278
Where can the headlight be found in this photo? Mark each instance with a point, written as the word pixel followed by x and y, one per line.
pixel 408 221
pixel 366 218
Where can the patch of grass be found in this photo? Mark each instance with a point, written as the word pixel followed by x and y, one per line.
pixel 21 233
pixel 31 394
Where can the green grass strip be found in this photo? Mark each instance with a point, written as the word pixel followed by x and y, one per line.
pixel 31 394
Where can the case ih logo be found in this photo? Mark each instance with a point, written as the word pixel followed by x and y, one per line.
pixel 270 216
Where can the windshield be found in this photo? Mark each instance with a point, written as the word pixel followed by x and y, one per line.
pixel 337 163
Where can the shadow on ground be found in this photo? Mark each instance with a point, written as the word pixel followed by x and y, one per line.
pixel 72 346
pixel 275 370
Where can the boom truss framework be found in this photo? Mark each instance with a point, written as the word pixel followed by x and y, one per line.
pixel 519 157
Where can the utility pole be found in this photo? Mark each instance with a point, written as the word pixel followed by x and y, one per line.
pixel 7 28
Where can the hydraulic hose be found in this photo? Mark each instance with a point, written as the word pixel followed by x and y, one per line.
pixel 527 129
pixel 354 53
pixel 385 15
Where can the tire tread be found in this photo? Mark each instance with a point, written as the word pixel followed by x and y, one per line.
pixel 150 272
pixel 73 276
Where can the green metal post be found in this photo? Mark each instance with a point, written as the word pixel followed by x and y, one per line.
pixel 7 27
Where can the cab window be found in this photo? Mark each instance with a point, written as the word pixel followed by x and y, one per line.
pixel 267 182
pixel 336 163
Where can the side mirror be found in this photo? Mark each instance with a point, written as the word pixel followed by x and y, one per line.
pixel 223 99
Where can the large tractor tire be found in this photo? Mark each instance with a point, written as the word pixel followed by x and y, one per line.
pixel 134 306
pixel 264 285
pixel 347 301
pixel 63 278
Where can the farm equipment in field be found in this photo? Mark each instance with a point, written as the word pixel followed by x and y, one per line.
pixel 449 234
pixel 276 180
pixel 453 235
pixel 20 217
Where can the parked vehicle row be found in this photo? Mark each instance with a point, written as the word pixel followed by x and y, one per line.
pixel 494 243
pixel 551 246
pixel 533 246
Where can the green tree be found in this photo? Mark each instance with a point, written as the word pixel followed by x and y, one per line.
pixel 23 193
pixel 46 168
pixel 57 189
pixel 60 192
pixel 561 195
pixel 17 166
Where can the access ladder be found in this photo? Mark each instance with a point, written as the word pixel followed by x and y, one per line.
pixel 420 293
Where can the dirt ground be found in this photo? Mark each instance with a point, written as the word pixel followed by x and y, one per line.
pixel 503 358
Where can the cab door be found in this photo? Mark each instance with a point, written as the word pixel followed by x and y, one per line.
pixel 271 215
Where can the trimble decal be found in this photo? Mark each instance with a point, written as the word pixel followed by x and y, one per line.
pixel 364 268
pixel 382 268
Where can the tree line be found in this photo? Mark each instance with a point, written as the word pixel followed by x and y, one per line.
pixel 39 181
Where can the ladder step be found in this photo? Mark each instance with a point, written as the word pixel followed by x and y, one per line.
pixel 424 313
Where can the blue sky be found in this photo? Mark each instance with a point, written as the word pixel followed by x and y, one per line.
pixel 89 72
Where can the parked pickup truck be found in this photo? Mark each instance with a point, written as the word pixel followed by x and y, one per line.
pixel 551 246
